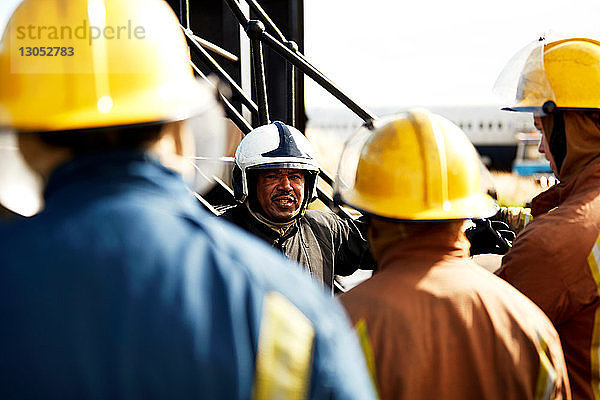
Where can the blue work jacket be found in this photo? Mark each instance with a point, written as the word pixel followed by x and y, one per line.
pixel 123 287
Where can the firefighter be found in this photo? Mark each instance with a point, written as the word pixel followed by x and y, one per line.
pixel 555 259
pixel 435 324
pixel 122 286
pixel 274 179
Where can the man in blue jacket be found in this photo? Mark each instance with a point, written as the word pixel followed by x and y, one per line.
pixel 123 287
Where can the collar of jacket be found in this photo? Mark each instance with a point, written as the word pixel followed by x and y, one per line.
pixel 425 249
pixel 86 178
pixel 279 227
pixel 554 196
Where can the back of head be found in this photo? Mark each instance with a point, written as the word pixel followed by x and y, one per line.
pixel 273 146
pixel 416 166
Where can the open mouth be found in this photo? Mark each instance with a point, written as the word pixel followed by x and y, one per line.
pixel 284 201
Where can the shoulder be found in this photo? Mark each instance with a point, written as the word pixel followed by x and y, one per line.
pixel 318 215
pixel 324 219
pixel 557 243
pixel 266 269
pixel 501 299
pixel 498 302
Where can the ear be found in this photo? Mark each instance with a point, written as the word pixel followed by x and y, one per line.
pixel 173 140
pixel 174 145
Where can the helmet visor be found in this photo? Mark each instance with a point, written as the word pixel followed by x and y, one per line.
pixel 523 84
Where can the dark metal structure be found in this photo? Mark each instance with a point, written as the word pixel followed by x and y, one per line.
pixel 262 65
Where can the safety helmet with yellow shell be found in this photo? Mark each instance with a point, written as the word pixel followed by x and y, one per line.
pixel 413 166
pixel 552 74
pixel 77 64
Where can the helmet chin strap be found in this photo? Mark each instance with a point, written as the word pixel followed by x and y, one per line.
pixel 557 142
pixel 279 227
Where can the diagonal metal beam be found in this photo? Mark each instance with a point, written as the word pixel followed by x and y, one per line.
pixel 266 19
pixel 214 48
pixel 315 75
pixel 217 69
pixel 237 11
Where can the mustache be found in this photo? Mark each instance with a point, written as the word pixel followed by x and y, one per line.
pixel 279 195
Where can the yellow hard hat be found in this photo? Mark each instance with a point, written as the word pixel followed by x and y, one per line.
pixel 413 166
pixel 74 64
pixel 548 75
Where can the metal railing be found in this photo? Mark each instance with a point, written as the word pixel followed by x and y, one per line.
pixel 256 30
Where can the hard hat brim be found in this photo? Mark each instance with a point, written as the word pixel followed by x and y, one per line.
pixel 175 103
pixel 478 205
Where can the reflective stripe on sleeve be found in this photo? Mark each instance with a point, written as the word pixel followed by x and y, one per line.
pixel 284 358
pixel 546 381
pixel 593 260
pixel 365 344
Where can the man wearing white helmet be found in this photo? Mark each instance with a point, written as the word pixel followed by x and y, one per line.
pixel 274 179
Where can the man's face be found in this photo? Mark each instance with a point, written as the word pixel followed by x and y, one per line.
pixel 280 193
pixel 543 147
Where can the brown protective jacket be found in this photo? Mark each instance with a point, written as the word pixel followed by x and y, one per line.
pixel 441 327
pixel 554 261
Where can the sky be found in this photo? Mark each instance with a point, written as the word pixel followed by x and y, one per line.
pixel 428 52
pixel 6 8
pixel 388 53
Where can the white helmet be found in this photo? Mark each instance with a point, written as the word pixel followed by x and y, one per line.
pixel 272 146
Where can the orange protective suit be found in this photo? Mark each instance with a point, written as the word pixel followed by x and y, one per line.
pixel 555 259
pixel 441 327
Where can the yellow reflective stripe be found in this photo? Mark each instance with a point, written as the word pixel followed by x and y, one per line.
pixel 547 375
pixel 365 344
pixel 593 260
pixel 284 358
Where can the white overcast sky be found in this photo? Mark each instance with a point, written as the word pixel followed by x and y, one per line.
pixel 423 52
pixel 428 52
pixel 6 8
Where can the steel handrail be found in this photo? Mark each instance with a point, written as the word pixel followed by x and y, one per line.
pixel 299 62
pixel 221 73
pixel 288 50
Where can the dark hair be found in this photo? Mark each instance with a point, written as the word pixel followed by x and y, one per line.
pixel 99 140
pixel 557 143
